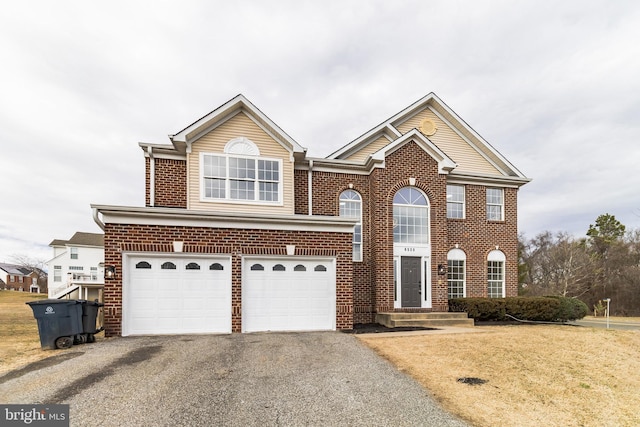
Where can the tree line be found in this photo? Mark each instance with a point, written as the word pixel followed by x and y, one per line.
pixel 604 264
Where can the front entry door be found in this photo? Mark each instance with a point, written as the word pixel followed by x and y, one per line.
pixel 410 281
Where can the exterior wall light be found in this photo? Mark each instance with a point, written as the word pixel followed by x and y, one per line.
pixel 442 269
pixel 110 271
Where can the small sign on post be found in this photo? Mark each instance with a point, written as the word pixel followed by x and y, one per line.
pixel 607 300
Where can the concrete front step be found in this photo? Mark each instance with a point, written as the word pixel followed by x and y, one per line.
pixel 425 320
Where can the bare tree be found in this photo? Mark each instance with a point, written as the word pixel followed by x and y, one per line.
pixel 605 264
pixel 557 265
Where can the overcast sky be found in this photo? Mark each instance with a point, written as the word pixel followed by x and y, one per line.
pixel 552 85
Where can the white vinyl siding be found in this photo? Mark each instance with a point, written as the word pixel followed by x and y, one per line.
pixel 468 159
pixel 214 142
pixel 371 148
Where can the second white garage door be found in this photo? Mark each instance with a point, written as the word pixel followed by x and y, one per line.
pixel 288 295
pixel 174 295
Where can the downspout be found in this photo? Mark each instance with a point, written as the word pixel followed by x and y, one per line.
pixel 310 187
pixel 152 177
pixel 96 218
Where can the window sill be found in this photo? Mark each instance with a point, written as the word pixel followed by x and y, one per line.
pixel 241 202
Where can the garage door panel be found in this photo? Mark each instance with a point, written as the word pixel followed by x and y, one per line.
pixel 292 297
pixel 181 300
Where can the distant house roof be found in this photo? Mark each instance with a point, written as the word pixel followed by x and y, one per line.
pixel 16 270
pixel 81 239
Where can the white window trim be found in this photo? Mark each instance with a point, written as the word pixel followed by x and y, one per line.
pixel 279 202
pixel 498 256
pixel 463 203
pixel 359 256
pixel 458 255
pixel 427 212
pixel 57 273
pixel 487 204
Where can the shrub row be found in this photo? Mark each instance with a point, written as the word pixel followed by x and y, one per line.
pixel 541 309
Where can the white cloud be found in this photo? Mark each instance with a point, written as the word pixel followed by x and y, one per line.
pixel 551 85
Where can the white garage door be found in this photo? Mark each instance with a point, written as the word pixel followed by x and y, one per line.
pixel 288 295
pixel 176 296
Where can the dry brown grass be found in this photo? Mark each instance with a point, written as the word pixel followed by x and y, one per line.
pixel 537 375
pixel 19 339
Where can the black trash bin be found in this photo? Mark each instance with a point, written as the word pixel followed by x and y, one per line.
pixel 89 317
pixel 59 321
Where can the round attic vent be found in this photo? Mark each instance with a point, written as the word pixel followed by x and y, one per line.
pixel 428 127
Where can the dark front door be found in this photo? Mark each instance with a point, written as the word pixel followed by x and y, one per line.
pixel 410 281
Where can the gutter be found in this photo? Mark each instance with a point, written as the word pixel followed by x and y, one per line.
pixel 96 218
pixel 212 219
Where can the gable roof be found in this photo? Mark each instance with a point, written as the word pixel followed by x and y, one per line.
pixel 445 164
pixel 389 128
pixel 183 139
pixel 16 270
pixel 81 239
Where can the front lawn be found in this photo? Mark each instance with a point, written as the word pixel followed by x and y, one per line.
pixel 19 339
pixel 535 375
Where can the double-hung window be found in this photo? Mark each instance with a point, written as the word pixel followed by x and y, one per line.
pixel 73 252
pixel 495 204
pixel 351 207
pixel 455 201
pixel 496 274
pixel 241 178
pixel 456 259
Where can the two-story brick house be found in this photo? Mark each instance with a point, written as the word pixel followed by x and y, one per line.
pixel 242 231
pixel 18 278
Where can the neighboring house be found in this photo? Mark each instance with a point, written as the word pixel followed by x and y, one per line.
pixel 243 232
pixel 77 267
pixel 18 278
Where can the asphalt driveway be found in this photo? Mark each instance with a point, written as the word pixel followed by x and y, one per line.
pixel 319 378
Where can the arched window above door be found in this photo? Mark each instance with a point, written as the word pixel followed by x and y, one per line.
pixel 410 217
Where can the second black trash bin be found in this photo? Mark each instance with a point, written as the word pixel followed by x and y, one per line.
pixel 59 321
pixel 89 318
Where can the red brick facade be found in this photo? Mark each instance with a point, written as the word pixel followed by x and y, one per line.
pixel 14 282
pixel 365 287
pixel 122 238
pixel 373 277
pixel 170 183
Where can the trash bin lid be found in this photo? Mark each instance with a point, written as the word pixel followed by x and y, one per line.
pixel 53 302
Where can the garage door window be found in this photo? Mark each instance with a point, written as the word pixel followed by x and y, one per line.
pixel 257 267
pixel 168 266
pixel 320 267
pixel 279 267
pixel 143 264
pixel 216 266
pixel 299 267
pixel 193 266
